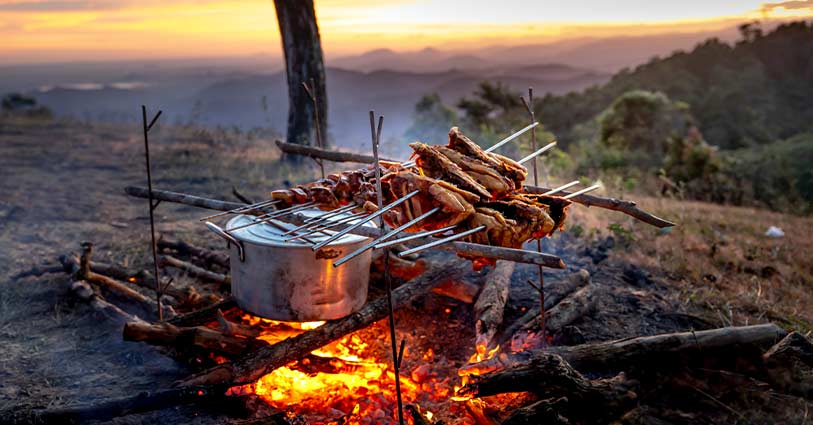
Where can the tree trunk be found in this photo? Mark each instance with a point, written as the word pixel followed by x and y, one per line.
pixel 303 63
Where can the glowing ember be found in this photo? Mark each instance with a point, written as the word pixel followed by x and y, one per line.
pixel 353 382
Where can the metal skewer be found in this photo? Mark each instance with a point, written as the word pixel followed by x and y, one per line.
pixel 441 241
pixel 382 238
pixel 512 137
pixel 546 148
pixel 359 223
pixel 241 209
pixel 316 221
pixel 272 215
pixel 583 191
pixel 332 224
pixel 561 188
pixel 414 236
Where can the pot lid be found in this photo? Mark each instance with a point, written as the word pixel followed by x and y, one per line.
pixel 273 234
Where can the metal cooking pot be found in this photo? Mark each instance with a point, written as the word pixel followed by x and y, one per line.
pixel 289 281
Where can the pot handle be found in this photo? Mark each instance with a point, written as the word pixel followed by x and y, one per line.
pixel 229 238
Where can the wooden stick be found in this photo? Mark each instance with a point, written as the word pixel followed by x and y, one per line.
pixel 581 303
pixel 183 198
pixel 236 329
pixel 626 207
pixel 460 290
pixel 185 248
pixel 165 334
pixel 194 271
pixel 83 291
pixel 330 155
pixel 789 365
pixel 490 306
pixel 257 363
pixel 612 355
pixel 472 249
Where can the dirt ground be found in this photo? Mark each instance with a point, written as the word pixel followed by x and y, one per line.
pixel 62 183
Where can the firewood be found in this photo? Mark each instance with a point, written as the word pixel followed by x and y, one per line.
pixel 184 248
pixel 490 306
pixel 335 156
pixel 236 329
pixel 193 270
pixel 254 364
pixel 789 365
pixel 119 289
pixel 549 375
pixel 472 249
pixel 415 413
pixel 38 271
pixel 109 409
pixel 167 335
pixel 541 412
pixel 614 355
pixel 581 303
pixel 564 289
pixel 458 289
pixel 83 291
pixel 203 315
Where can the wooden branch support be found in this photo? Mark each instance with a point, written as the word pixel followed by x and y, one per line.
pixel 193 270
pixel 490 306
pixel 208 256
pixel 629 208
pixel 330 155
pixel 472 249
pixel 256 363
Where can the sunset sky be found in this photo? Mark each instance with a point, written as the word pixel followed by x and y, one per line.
pixel 80 30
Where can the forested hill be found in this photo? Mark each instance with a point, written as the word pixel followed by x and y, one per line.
pixel 757 91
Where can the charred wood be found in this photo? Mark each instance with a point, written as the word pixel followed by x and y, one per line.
pixel 236 329
pixel 581 303
pixel 490 306
pixel 330 155
pixel 167 335
pixel 251 366
pixel 83 291
pixel 204 315
pixel 789 365
pixel 460 290
pixel 541 412
pixel 208 256
pixel 193 270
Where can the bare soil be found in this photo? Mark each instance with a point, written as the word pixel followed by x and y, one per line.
pixel 62 183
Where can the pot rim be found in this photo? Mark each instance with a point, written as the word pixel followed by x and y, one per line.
pixel 247 236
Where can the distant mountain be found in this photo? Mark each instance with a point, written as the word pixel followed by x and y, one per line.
pixel 239 98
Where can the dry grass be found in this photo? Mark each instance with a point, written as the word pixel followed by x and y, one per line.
pixel 719 259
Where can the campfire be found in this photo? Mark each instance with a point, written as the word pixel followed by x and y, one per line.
pixel 333 355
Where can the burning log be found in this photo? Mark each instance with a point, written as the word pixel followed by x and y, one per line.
pixel 194 271
pixel 789 365
pixel 459 290
pixel 184 248
pixel 490 306
pixel 115 287
pixel 470 249
pixel 613 355
pixel 251 366
pixel 549 375
pixel 204 315
pixel 236 329
pixel 541 412
pixel 415 413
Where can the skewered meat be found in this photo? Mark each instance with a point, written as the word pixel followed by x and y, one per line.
pixel 489 177
pixel 436 165
pixel 456 204
pixel 505 166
